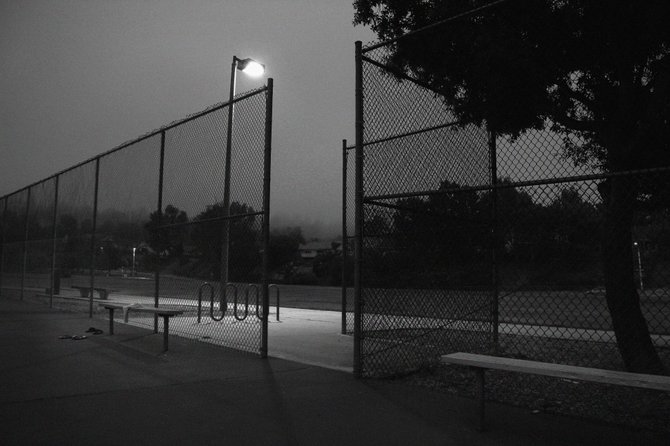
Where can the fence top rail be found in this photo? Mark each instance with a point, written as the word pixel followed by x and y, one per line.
pixel 171 125
pixel 373 199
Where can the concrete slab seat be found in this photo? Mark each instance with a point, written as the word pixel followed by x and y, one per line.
pixel 165 313
pixel 102 292
pixel 480 363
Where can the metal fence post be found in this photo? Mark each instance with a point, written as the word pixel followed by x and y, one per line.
pixel 93 229
pixel 225 226
pixel 344 236
pixel 266 217
pixel 495 273
pixel 25 245
pixel 358 253
pixel 54 234
pixel 157 273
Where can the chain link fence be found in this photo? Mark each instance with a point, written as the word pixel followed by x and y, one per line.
pixel 144 224
pixel 348 236
pixel 484 243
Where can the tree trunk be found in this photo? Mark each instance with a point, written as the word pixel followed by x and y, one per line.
pixel 630 327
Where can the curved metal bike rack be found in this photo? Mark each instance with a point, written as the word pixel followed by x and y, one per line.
pixel 223 302
pixel 259 306
pixel 276 288
pixel 246 303
pixel 223 305
pixel 211 297
pixel 253 286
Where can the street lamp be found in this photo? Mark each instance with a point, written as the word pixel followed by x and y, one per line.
pixel 254 69
pixel 639 265
pixel 250 67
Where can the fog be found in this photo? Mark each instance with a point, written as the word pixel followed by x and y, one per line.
pixel 79 77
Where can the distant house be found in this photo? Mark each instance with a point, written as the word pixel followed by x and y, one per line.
pixel 310 250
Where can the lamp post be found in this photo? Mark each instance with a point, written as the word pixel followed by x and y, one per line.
pixel 639 265
pixel 253 69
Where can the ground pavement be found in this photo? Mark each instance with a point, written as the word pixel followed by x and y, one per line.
pixel 121 390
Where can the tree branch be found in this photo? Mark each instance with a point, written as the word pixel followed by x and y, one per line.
pixel 577 96
pixel 575 124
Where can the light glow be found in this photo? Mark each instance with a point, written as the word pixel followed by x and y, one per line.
pixel 251 67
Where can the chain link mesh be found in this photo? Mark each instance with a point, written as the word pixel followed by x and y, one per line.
pixel 14 243
pixel 348 237
pixel 127 195
pixel 74 232
pixel 423 214
pixel 193 203
pixel 111 235
pixel 39 236
pixel 454 261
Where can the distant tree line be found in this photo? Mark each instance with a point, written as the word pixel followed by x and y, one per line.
pixel 538 238
pixel 169 240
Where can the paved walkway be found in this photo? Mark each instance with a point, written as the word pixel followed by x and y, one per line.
pixel 120 390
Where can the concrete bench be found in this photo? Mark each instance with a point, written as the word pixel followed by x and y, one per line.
pixel 85 290
pixel 482 362
pixel 165 313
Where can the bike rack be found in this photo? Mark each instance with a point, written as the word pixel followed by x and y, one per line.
pixel 211 297
pixel 223 304
pixel 253 286
pixel 246 303
pixel 258 306
pixel 276 288
pixel 258 303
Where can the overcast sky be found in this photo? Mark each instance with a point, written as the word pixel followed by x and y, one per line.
pixel 79 77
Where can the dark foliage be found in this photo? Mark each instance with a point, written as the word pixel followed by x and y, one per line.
pixel 596 72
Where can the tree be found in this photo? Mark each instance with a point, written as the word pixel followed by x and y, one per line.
pixel 168 241
pixel 244 239
pixel 597 72
pixel 445 233
pixel 284 245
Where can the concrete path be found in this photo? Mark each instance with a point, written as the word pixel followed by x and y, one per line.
pixel 311 337
pixel 112 390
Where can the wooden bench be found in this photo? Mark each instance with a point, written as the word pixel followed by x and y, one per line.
pixel 165 313
pixel 85 290
pixel 480 363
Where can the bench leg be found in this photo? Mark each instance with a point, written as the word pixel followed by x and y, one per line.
pixel 481 384
pixel 166 324
pixel 111 321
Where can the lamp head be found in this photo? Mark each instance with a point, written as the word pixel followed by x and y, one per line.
pixel 251 67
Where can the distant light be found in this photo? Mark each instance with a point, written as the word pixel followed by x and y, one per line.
pixel 251 67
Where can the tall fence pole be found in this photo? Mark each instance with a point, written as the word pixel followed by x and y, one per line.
pixel 25 244
pixel 157 273
pixel 344 236
pixel 495 272
pixel 93 229
pixel 225 226
pixel 358 303
pixel 266 217
pixel 54 234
